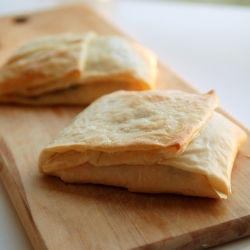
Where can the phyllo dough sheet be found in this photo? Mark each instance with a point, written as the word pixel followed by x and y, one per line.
pixel 46 64
pixel 151 141
pixel 75 69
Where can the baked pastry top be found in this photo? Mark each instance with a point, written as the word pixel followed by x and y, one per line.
pixel 75 69
pixel 148 141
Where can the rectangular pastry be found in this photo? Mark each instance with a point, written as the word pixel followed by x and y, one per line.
pixel 151 141
pixel 75 69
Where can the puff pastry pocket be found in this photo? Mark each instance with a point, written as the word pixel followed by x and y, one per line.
pixel 75 69
pixel 151 141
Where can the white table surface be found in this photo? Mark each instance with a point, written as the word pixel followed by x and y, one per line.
pixel 207 45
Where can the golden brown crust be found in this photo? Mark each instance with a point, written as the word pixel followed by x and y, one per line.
pixel 113 58
pixel 203 169
pixel 139 120
pixel 39 67
pixel 137 140
pixel 41 72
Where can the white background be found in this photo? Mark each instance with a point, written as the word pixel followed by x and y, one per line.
pixel 207 45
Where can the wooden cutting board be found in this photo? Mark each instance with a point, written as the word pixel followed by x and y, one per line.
pixel 60 216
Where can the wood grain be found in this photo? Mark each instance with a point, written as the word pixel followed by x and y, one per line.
pixel 60 216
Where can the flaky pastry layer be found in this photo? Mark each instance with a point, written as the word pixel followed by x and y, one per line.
pixel 75 69
pixel 150 141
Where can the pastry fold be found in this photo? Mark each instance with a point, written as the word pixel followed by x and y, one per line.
pixel 152 141
pixel 75 69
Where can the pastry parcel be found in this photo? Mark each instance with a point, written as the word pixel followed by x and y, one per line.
pixel 151 141
pixel 75 69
